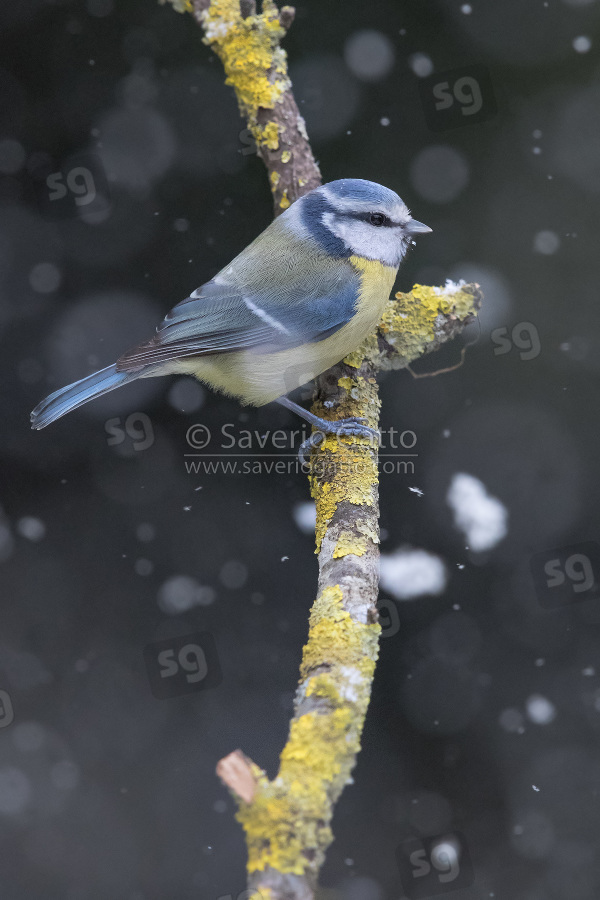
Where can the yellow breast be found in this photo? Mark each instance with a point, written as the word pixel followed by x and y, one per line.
pixel 376 283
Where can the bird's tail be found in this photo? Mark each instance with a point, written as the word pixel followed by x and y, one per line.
pixel 73 395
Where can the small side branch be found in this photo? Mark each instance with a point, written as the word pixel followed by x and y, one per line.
pixel 238 773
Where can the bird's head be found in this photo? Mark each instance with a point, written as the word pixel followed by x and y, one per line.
pixel 352 217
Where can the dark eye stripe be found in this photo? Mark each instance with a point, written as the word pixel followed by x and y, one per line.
pixel 366 217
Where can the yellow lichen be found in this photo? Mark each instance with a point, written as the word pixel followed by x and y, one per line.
pixel 275 178
pixel 254 63
pixel 285 200
pixel 345 382
pixel 348 543
pixel 324 687
pixel 286 156
pixel 266 135
pixel 408 322
pixel 288 822
pixel 367 348
pixel 336 637
pixel 354 474
pixel 290 816
pixel 345 469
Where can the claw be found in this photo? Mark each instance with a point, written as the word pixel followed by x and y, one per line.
pixel 307 446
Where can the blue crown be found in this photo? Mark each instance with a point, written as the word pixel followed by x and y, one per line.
pixel 362 191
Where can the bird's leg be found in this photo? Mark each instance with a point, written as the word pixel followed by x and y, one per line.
pixel 352 426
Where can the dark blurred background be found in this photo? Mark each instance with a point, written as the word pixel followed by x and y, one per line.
pixel 485 717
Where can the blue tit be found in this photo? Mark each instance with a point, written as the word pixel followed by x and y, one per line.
pixel 297 300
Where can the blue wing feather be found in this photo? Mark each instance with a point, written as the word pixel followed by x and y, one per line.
pixel 220 317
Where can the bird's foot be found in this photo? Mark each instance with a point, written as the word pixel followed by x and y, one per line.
pixel 353 427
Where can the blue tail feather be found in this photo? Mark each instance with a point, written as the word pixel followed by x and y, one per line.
pixel 73 395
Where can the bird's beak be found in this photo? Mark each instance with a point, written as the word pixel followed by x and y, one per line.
pixel 414 227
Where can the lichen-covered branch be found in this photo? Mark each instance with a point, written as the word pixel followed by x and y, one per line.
pixel 287 821
pixel 248 45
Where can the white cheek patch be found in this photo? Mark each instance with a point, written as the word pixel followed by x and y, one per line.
pixel 384 244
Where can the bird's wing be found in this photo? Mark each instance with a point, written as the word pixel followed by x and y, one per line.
pixel 277 308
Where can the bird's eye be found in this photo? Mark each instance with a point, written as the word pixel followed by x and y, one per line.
pixel 378 219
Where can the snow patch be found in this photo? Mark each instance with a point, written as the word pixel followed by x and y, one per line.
pixel 481 518
pixel 408 574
